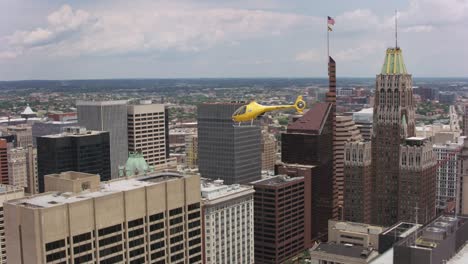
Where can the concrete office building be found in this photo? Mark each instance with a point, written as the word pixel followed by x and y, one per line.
pixel 23 134
pixel 435 243
pixel 148 131
pixel 358 182
pixel 77 149
pixel 280 217
pixel 108 116
pixel 40 129
pixel 363 120
pixel 269 146
pixel 152 219
pixel 227 151
pixel 228 221
pixel 4 146
pixel 348 243
pixel 462 201
pixel 191 149
pixel 447 173
pixel 7 192
pixel 22 168
pixel 345 131
pixel 417 181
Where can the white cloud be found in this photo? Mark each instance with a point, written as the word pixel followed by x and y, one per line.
pixel 359 52
pixel 309 56
pixel 5 55
pixel 161 27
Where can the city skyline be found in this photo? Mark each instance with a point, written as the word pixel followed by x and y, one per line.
pixel 263 38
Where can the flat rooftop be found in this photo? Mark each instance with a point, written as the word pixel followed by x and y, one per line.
pixel 345 250
pixel 215 189
pixel 67 134
pixel 51 199
pixel 402 229
pixel 277 180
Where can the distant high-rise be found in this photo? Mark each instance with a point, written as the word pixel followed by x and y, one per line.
pixel 363 120
pixel 147 131
pixel 228 207
pixel 393 123
pixel 309 141
pixel 77 149
pixel 191 150
pixel 23 135
pixel 268 151
pixel 346 130
pixel 108 116
pixel 4 146
pixel 279 210
pixel 151 219
pixel 227 151
pixel 465 121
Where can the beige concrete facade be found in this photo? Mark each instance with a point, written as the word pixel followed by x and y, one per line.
pixel 151 219
pixel 7 192
pixel 358 234
pixel 22 168
pixel 269 149
pixel 23 135
pixel 147 132
pixel 346 131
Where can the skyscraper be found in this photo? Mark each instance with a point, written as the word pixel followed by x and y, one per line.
pixel 357 182
pixel 77 149
pixel 393 123
pixel 108 116
pixel 147 131
pixel 227 151
pixel 191 150
pixel 268 151
pixel 309 141
pixel 4 161
pixel 151 219
pixel 346 130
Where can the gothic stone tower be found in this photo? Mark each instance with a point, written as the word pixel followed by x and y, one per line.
pixel 393 123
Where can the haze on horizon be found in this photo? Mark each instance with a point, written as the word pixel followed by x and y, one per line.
pixel 64 39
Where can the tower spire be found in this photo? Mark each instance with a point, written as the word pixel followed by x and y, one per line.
pixel 396 29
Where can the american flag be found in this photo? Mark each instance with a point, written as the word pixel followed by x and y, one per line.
pixel 331 21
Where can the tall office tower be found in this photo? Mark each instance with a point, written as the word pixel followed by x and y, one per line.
pixel 227 151
pixel 40 129
pixel 417 181
pixel 310 217
pixel 358 182
pixel 147 131
pixel 191 149
pixel 279 210
pixel 268 151
pixel 345 131
pixel 4 146
pixel 152 219
pixel 393 123
pixel 447 174
pixel 17 167
pixel 22 168
pixel 228 222
pixel 77 149
pixel 108 116
pixel 462 197
pixel 363 120
pixel 7 192
pixel 331 99
pixel 23 135
pixel 309 141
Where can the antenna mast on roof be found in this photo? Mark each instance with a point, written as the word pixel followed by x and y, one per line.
pixel 396 29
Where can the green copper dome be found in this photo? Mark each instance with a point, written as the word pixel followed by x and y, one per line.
pixel 136 164
pixel 394 63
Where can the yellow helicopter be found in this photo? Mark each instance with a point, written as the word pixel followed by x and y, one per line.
pixel 253 110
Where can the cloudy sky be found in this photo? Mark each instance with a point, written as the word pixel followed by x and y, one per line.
pixel 66 39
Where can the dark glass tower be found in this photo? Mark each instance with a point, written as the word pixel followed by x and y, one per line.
pixel 226 150
pixel 81 151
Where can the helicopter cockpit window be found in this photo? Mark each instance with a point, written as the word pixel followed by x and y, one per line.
pixel 240 111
